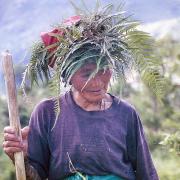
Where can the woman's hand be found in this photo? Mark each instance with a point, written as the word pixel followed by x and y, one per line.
pixel 12 143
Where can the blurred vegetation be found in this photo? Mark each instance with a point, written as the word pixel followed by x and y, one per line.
pixel 161 120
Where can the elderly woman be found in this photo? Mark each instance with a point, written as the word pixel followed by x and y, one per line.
pixel 95 135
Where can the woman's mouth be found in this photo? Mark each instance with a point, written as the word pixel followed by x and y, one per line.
pixel 96 92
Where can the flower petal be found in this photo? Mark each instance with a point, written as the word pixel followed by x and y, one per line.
pixel 72 20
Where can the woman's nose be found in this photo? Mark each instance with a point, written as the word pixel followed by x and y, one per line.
pixel 96 82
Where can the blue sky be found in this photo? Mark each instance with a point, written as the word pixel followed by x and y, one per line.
pixel 21 21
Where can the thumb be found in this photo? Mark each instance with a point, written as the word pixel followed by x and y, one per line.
pixel 25 132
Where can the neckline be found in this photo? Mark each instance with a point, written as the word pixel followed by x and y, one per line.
pixel 77 108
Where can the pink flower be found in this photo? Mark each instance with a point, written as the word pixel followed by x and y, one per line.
pixel 49 39
pixel 72 20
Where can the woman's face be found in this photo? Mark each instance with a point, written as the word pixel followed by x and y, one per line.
pixel 96 88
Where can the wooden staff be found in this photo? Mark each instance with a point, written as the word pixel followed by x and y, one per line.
pixel 13 111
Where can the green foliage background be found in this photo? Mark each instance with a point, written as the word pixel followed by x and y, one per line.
pixel 161 121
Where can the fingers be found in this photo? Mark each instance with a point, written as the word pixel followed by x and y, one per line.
pixel 25 132
pixel 9 130
pixel 11 137
pixel 11 147
pixel 9 134
pixel 10 151
pixel 12 144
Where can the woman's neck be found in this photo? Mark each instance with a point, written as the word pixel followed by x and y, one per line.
pixel 103 104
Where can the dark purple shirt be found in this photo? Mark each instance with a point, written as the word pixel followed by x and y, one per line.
pixel 92 142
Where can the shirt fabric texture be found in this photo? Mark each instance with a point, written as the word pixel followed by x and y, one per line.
pixel 108 142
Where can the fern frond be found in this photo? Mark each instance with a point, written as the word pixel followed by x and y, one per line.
pixel 54 86
pixel 106 37
pixel 146 62
pixel 77 9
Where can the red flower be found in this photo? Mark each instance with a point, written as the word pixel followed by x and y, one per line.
pixel 48 39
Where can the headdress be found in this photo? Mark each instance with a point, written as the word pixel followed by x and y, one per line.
pixel 106 37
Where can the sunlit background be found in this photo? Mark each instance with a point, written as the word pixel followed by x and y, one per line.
pixel 21 22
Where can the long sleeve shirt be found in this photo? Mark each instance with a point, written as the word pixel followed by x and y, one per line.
pixel 105 142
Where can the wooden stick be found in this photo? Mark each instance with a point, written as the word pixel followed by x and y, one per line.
pixel 13 110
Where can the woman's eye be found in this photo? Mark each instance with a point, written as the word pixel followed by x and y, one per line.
pixel 101 71
pixel 86 75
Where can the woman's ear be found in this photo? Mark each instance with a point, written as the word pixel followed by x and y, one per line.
pixel 71 81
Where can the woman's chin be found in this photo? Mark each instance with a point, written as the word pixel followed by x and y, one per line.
pixel 94 97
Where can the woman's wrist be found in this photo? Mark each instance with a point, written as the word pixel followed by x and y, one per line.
pixel 31 173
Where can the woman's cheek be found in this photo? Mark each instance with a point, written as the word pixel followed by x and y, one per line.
pixel 79 83
pixel 106 77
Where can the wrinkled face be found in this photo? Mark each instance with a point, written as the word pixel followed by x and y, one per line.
pixel 96 88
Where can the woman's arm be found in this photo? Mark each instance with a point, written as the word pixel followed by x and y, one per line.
pixel 138 150
pixel 38 153
pixel 31 173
